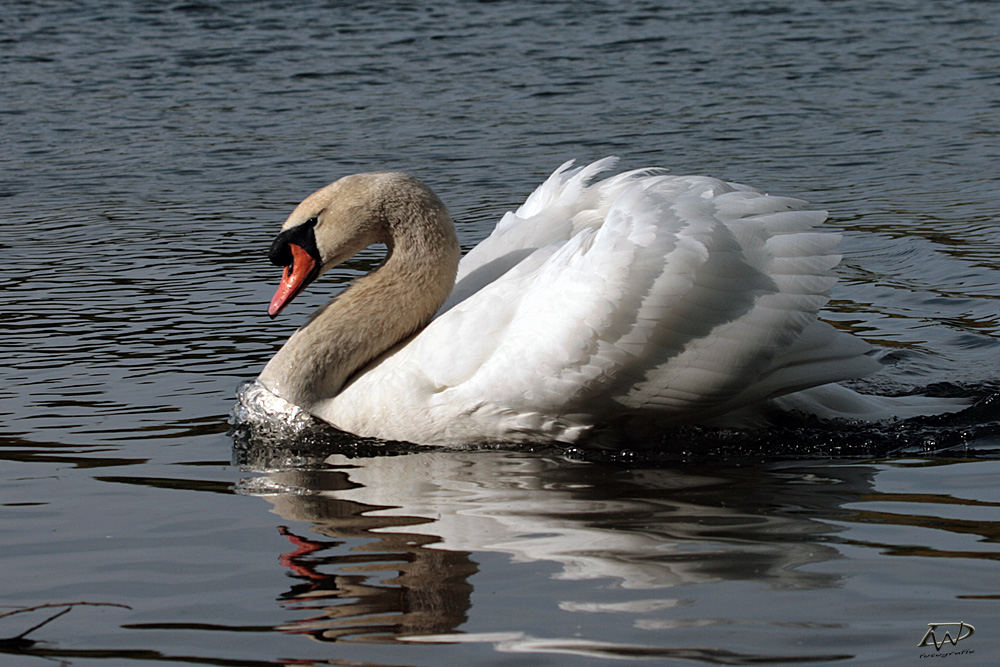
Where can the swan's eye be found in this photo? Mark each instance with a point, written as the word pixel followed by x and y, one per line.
pixel 301 235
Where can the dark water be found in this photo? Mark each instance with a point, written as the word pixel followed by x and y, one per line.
pixel 148 153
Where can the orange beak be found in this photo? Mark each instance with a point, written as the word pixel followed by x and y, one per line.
pixel 297 275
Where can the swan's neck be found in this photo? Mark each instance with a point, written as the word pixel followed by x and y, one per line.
pixel 373 315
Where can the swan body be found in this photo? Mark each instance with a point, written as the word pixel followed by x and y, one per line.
pixel 639 298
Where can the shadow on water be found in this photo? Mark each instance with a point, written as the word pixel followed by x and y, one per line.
pixel 266 438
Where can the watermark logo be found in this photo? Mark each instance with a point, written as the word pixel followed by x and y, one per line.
pixel 944 630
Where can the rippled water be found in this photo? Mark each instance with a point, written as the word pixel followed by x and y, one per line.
pixel 149 153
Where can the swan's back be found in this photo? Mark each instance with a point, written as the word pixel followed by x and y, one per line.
pixel 669 298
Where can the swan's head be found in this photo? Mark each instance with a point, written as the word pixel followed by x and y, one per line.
pixel 335 223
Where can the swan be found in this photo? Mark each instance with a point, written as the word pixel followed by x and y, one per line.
pixel 633 299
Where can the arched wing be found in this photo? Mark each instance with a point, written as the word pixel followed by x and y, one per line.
pixel 689 294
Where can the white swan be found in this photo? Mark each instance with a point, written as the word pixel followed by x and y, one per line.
pixel 641 298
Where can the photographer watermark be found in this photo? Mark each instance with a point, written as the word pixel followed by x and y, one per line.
pixel 939 634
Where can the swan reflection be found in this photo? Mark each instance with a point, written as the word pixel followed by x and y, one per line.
pixel 363 583
pixel 394 540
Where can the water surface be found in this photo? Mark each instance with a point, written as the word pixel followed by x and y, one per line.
pixel 150 152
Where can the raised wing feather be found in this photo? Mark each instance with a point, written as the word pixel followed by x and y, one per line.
pixel 685 297
pixel 562 206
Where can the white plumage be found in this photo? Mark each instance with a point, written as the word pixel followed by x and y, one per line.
pixel 640 298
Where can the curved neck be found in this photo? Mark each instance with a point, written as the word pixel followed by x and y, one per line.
pixel 371 316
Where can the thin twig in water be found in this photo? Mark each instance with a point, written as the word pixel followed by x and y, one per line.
pixel 51 605
pixel 19 640
pixel 45 622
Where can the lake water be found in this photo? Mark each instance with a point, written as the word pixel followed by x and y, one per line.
pixel 150 151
